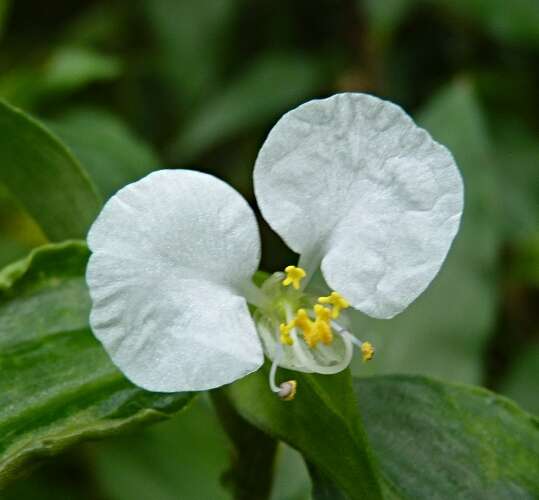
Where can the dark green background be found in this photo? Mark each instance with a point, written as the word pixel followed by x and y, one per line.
pixel 149 84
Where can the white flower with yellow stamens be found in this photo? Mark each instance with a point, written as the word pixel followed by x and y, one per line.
pixel 349 182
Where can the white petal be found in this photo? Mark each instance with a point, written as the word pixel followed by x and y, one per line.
pixel 353 183
pixel 171 254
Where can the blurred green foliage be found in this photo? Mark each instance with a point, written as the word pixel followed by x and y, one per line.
pixel 129 87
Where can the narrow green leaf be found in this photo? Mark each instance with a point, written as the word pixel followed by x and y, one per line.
pixel 250 101
pixel 57 384
pixel 251 473
pixel 437 440
pixel 72 67
pixel 324 488
pixel 517 160
pixel 67 69
pixel 110 153
pixel 322 423
pixel 43 175
pixel 385 18
pixel 291 481
pixel 191 38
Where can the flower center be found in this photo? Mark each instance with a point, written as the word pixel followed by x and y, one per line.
pixel 301 333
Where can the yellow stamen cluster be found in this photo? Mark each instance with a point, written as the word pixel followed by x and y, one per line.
pixel 314 331
pixel 337 301
pixel 367 350
pixel 318 329
pixel 294 275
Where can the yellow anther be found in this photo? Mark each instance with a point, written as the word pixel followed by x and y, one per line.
pixel 285 329
pixel 315 331
pixel 322 313
pixel 367 350
pixel 336 300
pixel 286 339
pixel 322 323
pixel 294 275
pixel 324 331
pixel 307 326
pixel 302 320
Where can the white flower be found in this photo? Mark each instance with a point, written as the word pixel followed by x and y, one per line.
pixel 349 182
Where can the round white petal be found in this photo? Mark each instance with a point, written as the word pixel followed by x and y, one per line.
pixel 351 182
pixel 171 254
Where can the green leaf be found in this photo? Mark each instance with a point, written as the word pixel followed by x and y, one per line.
pixel 525 265
pixel 110 153
pixel 187 457
pixel 518 24
pixel 191 37
pixel 522 381
pixel 251 473
pixel 97 25
pixel 291 481
pixel 184 457
pixel 324 488
pixel 18 231
pixel 436 440
pixel 385 17
pixel 444 332
pixel 57 384
pixel 322 422
pixel 67 69
pixel 517 153
pixel 64 478
pixel 250 101
pixel 72 67
pixel 43 175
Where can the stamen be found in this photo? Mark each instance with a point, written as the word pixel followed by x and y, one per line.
pixel 336 300
pixel 366 348
pixel 315 331
pixel 322 323
pixel 285 329
pixel 298 351
pixel 273 370
pixel 368 351
pixel 310 334
pixel 286 390
pixel 294 275
pixel 301 353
